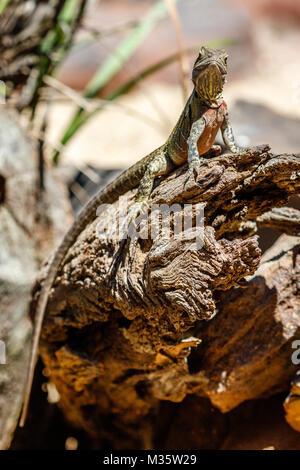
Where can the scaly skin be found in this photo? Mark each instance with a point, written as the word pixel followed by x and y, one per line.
pixel 194 134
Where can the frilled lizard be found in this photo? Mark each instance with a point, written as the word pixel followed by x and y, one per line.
pixel 193 136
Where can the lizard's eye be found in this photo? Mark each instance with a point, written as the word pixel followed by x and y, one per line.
pixel 225 60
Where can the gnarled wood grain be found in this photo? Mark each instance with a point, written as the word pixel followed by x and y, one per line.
pixel 117 342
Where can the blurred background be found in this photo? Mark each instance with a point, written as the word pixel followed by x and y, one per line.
pixel 263 81
pixel 123 59
pixel 98 84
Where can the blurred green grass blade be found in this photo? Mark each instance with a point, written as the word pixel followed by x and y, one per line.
pixel 57 42
pixel 3 5
pixel 67 16
pixel 69 11
pixel 98 35
pixel 126 49
pixel 83 116
pixel 114 63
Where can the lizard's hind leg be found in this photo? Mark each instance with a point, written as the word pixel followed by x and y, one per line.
pixel 160 164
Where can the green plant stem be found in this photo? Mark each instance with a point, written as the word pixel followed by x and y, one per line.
pixel 113 64
pixel 3 5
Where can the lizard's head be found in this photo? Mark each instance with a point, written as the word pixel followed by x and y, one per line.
pixel 209 74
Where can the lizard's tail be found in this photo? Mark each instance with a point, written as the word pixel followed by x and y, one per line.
pixel 40 313
pixel 127 180
pixel 84 218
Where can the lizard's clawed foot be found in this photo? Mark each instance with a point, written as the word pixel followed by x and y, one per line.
pixel 128 236
pixel 136 209
pixel 117 258
pixel 193 171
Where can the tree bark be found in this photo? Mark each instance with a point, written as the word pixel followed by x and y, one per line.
pixel 30 227
pixel 117 342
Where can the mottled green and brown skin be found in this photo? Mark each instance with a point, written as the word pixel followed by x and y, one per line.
pixel 194 134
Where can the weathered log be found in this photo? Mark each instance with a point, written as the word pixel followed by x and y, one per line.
pixel 285 219
pixel 248 347
pixel 118 341
pixel 25 238
pixel 195 424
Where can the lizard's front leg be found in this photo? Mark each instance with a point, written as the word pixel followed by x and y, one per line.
pixel 228 136
pixel 160 165
pixel 194 159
